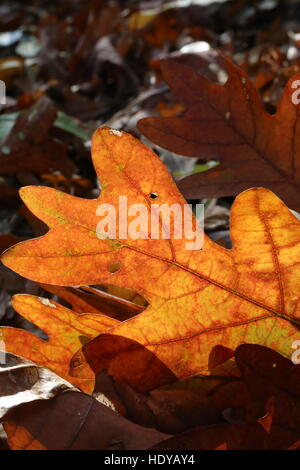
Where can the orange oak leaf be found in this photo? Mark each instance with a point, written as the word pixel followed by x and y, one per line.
pixel 67 331
pixel 202 303
pixel 229 123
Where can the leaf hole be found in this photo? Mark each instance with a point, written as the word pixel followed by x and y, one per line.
pixel 114 267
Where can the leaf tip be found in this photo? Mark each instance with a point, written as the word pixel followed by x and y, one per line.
pixel 26 192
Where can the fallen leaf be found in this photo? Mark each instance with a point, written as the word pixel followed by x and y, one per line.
pixel 78 300
pixel 69 124
pixel 169 411
pixel 229 123
pixel 7 240
pixel 274 384
pixel 202 303
pixel 86 424
pixel 29 148
pixel 36 224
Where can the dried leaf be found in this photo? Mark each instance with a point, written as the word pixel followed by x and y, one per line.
pixel 28 147
pixel 86 424
pixel 23 382
pixel 202 303
pixel 241 436
pixel 274 384
pixel 93 300
pixel 169 411
pixel 229 123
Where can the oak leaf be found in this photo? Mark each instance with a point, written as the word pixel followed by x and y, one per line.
pixel 202 303
pixel 86 424
pixel 274 382
pixel 229 123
